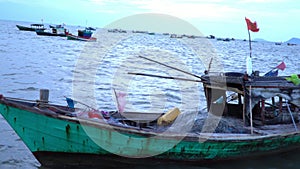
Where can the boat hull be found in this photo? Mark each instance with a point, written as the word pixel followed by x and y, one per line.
pixel 42 33
pixel 73 37
pixel 24 28
pixel 52 133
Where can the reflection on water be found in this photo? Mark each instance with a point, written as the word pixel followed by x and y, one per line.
pixel 274 161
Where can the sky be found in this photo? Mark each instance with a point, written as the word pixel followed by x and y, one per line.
pixel 278 20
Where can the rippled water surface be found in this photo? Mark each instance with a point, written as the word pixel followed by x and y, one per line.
pixel 90 72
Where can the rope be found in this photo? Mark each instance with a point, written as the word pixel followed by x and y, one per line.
pixel 291 115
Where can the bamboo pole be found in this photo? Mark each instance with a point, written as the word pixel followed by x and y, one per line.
pixel 250 105
pixel 164 77
pixel 249 59
pixel 172 67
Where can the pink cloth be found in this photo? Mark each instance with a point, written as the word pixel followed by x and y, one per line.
pixel 121 99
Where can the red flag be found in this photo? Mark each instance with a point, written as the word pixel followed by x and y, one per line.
pixel 281 66
pixel 252 26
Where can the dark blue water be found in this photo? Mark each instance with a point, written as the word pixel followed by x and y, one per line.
pixel 90 72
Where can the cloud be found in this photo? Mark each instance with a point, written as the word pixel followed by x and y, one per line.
pixel 206 10
pixel 262 1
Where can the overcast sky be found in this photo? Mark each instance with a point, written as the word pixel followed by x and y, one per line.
pixel 278 20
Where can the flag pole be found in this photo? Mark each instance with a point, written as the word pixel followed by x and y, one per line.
pixel 249 72
pixel 250 47
pixel 249 59
pixel 251 115
pixel 253 27
pixel 250 27
pixel 117 100
pixel 249 69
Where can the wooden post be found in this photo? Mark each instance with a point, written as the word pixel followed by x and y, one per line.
pixel 207 92
pixel 280 104
pixel 262 111
pixel 244 108
pixel 240 98
pixel 44 95
pixel 250 106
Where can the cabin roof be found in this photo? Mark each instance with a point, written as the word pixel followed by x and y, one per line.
pixel 37 24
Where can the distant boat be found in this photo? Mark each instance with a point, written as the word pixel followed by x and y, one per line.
pixel 56 31
pixel 74 37
pixel 137 31
pixel 211 37
pixel 33 27
pixel 56 26
pixel 90 28
pixel 278 43
pixel 83 35
pixel 291 44
pixel 119 31
pixel 175 36
pixel 224 39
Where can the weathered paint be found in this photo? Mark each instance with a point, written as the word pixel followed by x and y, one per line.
pixel 62 134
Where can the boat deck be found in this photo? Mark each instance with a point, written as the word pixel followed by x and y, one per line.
pixel 147 122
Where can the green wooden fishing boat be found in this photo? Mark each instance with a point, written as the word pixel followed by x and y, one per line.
pixel 63 131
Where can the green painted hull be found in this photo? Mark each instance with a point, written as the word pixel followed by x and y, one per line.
pixel 53 133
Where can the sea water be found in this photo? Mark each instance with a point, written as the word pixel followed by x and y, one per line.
pixel 91 72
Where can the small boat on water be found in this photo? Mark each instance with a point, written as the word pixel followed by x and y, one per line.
pixel 90 28
pixel 83 35
pixel 291 44
pixel 120 31
pixel 56 31
pixel 270 104
pixel 56 26
pixel 33 27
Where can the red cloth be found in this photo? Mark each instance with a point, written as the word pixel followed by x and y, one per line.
pixel 252 26
pixel 281 66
